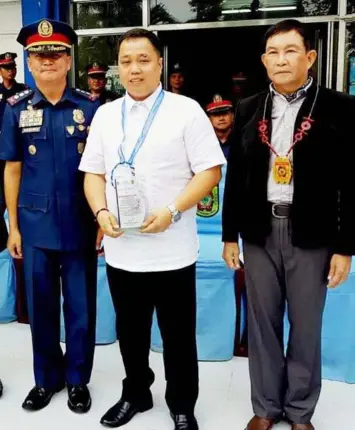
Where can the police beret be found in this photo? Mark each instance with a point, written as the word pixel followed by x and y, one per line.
pixel 219 105
pixel 7 59
pixel 47 35
pixel 96 68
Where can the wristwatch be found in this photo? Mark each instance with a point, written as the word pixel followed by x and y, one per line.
pixel 175 214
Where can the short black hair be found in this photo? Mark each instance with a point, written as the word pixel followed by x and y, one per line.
pixel 289 25
pixel 137 33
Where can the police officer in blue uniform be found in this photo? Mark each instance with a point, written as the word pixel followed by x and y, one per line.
pixel 221 114
pixel 51 225
pixel 9 86
pixel 97 81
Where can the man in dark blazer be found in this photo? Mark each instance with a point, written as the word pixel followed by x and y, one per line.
pixel 289 195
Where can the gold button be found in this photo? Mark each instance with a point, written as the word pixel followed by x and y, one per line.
pixel 32 149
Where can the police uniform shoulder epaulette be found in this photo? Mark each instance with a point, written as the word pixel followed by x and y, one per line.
pixel 85 94
pixel 19 97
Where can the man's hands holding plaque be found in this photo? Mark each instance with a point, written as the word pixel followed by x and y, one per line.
pixel 157 222
pixel 109 224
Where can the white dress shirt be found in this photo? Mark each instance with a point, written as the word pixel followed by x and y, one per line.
pixel 180 143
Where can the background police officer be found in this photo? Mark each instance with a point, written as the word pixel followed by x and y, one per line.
pixel 220 112
pixel 8 72
pixel 97 80
pixel 50 223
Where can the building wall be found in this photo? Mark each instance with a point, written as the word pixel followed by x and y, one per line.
pixel 10 25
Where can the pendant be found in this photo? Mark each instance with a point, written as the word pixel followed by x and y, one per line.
pixel 282 170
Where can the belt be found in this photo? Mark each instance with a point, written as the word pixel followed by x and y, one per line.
pixel 280 210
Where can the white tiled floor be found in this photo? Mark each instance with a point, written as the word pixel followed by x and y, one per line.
pixel 223 403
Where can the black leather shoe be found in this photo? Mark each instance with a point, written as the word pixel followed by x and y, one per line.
pixel 1 388
pixel 79 398
pixel 122 413
pixel 184 422
pixel 38 398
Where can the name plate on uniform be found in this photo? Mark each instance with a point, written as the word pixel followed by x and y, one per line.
pixel 31 118
pixel 130 202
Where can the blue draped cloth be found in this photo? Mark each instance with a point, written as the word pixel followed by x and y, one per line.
pixel 216 311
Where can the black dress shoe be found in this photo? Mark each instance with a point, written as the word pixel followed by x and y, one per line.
pixel 122 412
pixel 79 398
pixel 38 398
pixel 184 422
pixel 1 388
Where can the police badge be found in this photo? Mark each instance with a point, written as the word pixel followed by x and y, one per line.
pixel 45 29
pixel 78 116
pixel 209 205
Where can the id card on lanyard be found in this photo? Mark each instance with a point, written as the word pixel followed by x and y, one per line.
pixel 131 208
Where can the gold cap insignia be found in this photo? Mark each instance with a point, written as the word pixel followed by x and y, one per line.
pixel 70 129
pixel 78 116
pixel 81 146
pixel 217 98
pixel 8 56
pixel 45 29
pixel 32 149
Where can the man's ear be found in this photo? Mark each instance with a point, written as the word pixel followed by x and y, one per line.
pixel 70 62
pixel 263 60
pixel 28 61
pixel 312 56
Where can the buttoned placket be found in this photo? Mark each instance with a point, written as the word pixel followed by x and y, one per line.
pixel 135 121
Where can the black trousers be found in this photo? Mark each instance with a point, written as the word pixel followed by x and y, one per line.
pixel 173 295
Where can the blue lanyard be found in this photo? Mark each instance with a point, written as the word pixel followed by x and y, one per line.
pixel 143 135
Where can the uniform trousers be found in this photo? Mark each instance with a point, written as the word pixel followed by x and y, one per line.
pixel 173 295
pixel 47 272
pixel 285 382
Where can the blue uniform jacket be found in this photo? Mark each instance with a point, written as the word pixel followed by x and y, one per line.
pixel 49 141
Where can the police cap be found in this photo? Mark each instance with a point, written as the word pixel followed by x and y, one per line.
pixel 47 35
pixel 176 68
pixel 7 60
pixel 219 105
pixel 96 68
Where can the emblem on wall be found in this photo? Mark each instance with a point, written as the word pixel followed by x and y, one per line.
pixel 209 205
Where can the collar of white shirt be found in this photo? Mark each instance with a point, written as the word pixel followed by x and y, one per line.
pixel 300 93
pixel 148 102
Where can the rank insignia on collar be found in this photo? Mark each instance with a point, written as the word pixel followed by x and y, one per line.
pixel 78 116
pixel 81 127
pixel 70 129
pixel 1 96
